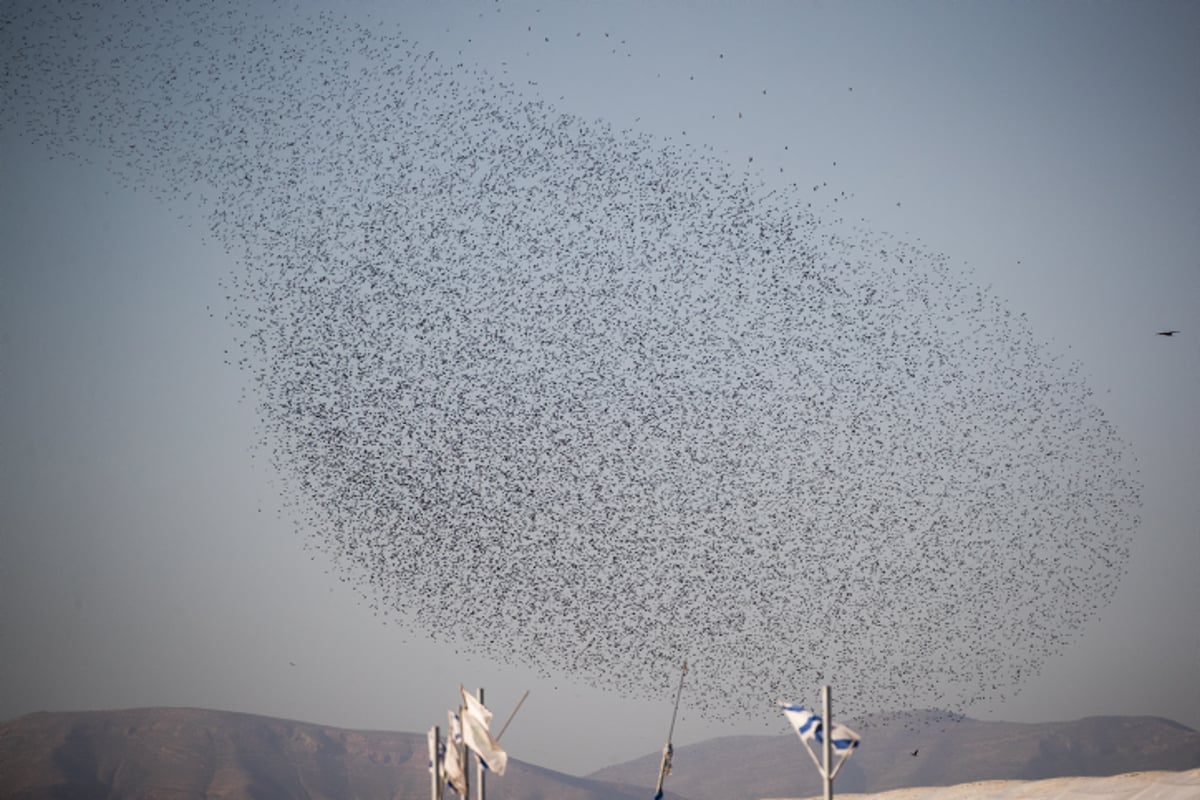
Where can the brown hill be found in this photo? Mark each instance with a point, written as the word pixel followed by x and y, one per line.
pixel 186 753
pixel 950 750
pixel 181 753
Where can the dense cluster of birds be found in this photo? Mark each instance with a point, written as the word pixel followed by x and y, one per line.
pixel 592 401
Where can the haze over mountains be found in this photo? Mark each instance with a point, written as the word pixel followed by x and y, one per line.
pixel 158 752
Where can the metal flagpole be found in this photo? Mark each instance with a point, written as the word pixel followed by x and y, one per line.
pixel 827 743
pixel 464 758
pixel 435 778
pixel 830 737
pixel 480 793
pixel 513 714
pixel 665 766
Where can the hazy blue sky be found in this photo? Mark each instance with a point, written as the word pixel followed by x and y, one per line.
pixel 1052 151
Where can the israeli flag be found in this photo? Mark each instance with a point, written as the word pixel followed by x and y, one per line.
pixel 844 739
pixel 435 760
pixel 475 734
pixel 810 727
pixel 453 768
pixel 804 722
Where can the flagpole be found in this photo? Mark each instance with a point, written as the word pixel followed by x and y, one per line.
pixel 830 737
pixel 435 773
pixel 513 714
pixel 666 757
pixel 464 759
pixel 827 744
pixel 480 793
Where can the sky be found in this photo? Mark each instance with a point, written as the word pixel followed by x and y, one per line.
pixel 149 557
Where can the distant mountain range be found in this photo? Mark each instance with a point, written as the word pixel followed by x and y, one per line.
pixel 186 753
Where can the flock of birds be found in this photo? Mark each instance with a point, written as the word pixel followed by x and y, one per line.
pixel 591 401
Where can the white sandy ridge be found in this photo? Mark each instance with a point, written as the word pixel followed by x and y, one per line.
pixel 1131 786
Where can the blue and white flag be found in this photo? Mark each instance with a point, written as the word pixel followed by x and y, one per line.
pixel 452 762
pixel 811 729
pixel 804 722
pixel 435 748
pixel 475 720
pixel 668 753
pixel 844 739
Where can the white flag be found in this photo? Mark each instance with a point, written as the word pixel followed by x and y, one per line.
pixel 452 766
pixel 475 722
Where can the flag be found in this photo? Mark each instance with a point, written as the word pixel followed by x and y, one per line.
pixel 452 766
pixel 810 728
pixel 844 739
pixel 435 759
pixel 473 708
pixel 476 718
pixel 804 722
pixel 668 752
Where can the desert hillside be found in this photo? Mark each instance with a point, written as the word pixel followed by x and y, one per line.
pixel 923 749
pixel 181 753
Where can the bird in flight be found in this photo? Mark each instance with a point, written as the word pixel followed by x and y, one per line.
pixel 1167 333
pixel 914 752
